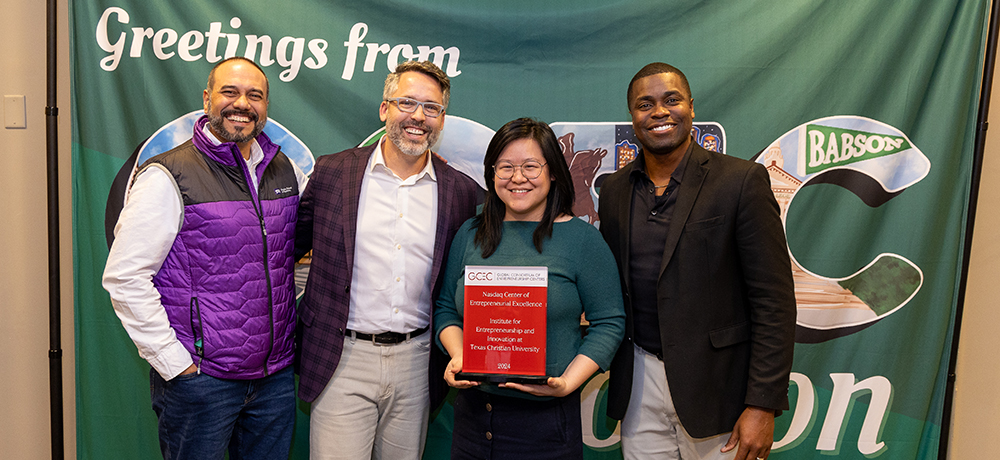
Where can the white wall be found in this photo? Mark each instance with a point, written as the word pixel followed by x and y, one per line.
pixel 976 415
pixel 24 319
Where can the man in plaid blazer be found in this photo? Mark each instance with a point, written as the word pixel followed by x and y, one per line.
pixel 379 220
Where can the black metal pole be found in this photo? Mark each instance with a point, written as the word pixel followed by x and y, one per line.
pixel 52 167
pixel 982 123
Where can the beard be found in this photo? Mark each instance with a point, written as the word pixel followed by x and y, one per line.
pixel 397 134
pixel 218 126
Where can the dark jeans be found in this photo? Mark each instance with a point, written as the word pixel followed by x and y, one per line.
pixel 495 427
pixel 201 416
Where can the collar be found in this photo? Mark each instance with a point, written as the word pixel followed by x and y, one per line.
pixel 638 172
pixel 256 153
pixel 227 152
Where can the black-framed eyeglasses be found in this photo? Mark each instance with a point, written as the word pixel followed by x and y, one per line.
pixel 405 104
pixel 530 169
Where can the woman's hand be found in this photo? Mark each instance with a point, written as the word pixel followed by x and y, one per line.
pixel 454 367
pixel 575 374
pixel 451 338
pixel 554 386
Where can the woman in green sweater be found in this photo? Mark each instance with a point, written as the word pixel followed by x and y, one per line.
pixel 527 220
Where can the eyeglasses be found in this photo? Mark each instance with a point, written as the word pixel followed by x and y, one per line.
pixel 405 104
pixel 530 169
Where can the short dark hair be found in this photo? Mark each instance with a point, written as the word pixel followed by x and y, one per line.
pixel 489 223
pixel 425 67
pixel 211 75
pixel 653 69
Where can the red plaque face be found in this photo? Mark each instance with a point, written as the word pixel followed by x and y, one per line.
pixel 505 314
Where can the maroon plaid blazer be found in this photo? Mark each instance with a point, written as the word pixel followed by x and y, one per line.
pixel 327 224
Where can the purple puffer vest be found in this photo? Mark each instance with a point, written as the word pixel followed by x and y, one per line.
pixel 234 313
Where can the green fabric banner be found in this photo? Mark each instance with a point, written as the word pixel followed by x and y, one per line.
pixel 863 111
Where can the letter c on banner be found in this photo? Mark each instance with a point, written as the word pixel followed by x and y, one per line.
pixel 830 307
pixel 593 414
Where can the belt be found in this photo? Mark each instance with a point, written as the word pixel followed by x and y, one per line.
pixel 385 338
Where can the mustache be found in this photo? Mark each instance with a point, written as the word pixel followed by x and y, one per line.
pixel 415 124
pixel 252 116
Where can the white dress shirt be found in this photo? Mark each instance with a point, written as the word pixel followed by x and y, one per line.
pixel 394 249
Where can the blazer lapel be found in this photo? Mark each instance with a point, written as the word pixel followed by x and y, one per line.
pixel 351 195
pixel 623 209
pixel 694 176
pixel 623 202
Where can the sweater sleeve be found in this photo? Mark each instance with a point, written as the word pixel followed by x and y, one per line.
pixel 445 309
pixel 600 294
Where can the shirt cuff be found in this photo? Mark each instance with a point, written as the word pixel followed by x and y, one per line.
pixel 171 361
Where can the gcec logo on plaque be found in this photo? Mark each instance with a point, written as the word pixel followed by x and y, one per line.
pixel 504 329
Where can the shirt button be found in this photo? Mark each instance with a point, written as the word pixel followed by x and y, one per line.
pixel 399 246
pixel 397 279
pixel 489 407
pixel 395 310
pixel 400 215
pixel 489 436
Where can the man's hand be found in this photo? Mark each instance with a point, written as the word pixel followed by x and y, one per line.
pixel 754 432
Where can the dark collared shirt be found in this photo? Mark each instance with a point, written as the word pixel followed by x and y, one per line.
pixel 650 219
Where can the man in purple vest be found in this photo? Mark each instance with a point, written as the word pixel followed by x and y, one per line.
pixel 200 275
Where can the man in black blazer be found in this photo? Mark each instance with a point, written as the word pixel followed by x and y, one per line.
pixel 379 220
pixel 708 288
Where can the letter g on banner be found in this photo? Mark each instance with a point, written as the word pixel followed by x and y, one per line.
pixel 873 161
pixel 110 63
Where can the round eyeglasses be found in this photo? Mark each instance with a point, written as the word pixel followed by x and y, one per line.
pixel 405 104
pixel 530 169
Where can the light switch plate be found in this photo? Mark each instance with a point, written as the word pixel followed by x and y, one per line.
pixel 13 111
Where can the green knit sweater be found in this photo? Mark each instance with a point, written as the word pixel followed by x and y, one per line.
pixel 583 278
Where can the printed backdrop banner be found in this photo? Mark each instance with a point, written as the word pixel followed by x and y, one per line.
pixel 863 112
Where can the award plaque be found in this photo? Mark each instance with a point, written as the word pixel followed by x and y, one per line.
pixel 504 324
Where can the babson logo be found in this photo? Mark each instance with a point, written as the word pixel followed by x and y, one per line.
pixel 829 146
pixel 810 167
pixel 875 162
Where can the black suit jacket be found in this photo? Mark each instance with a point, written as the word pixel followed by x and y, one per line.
pixel 327 224
pixel 725 295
